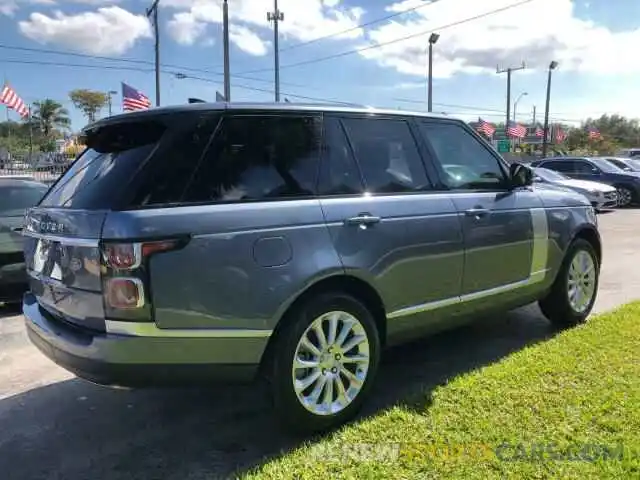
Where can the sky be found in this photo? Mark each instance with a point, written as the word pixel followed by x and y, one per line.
pixel 371 52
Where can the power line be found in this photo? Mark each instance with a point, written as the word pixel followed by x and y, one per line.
pixel 136 61
pixel 361 25
pixel 396 40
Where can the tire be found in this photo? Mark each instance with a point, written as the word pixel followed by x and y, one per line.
pixel 556 306
pixel 625 196
pixel 288 406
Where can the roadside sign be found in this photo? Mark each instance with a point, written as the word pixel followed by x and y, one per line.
pixel 503 146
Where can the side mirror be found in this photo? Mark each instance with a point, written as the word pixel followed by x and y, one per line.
pixel 595 171
pixel 520 175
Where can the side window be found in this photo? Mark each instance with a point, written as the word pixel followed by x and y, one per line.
pixel 339 173
pixel 584 168
pixel 258 158
pixel 465 161
pixel 387 155
pixel 166 177
pixel 564 166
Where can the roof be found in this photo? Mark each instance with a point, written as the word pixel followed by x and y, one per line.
pixel 266 106
pixel 9 181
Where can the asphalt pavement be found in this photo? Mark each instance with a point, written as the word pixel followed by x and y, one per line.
pixel 54 426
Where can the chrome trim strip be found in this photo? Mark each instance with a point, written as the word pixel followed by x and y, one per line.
pixel 69 241
pixel 137 329
pixel 538 272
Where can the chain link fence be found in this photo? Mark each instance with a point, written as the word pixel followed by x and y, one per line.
pixel 42 167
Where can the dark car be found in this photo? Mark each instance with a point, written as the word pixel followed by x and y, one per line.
pixel 16 196
pixel 600 170
pixel 291 242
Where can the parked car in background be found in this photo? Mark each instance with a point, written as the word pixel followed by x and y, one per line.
pixel 16 196
pixel 626 164
pixel 598 170
pixel 600 195
pixel 628 152
pixel 293 243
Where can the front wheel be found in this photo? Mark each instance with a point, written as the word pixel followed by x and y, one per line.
pixel 574 291
pixel 324 363
pixel 625 197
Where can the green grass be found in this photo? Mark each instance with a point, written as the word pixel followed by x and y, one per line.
pixel 578 392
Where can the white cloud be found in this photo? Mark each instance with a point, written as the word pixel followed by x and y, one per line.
pixel 109 30
pixel 9 7
pixel 536 32
pixel 185 29
pixel 303 19
pixel 247 40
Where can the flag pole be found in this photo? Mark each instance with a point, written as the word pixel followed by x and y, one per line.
pixel 30 133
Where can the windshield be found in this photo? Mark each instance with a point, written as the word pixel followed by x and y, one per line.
pixel 606 166
pixel 635 163
pixel 15 199
pixel 549 175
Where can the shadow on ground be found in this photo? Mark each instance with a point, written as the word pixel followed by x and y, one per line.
pixel 75 430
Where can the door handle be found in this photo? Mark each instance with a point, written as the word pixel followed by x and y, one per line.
pixel 363 220
pixel 477 212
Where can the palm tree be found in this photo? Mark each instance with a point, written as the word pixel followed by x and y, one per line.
pixel 49 115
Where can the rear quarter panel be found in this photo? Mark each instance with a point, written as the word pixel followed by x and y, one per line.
pixel 243 266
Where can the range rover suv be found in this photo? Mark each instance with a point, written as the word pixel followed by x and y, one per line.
pixel 294 243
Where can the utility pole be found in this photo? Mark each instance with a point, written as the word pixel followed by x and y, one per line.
pixel 276 16
pixel 109 93
pixel 509 70
pixel 153 11
pixel 545 138
pixel 225 41
pixel 534 116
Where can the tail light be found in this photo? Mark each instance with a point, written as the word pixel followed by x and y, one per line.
pixel 125 277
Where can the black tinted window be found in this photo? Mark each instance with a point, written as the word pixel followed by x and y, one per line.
pixel 114 154
pixel 387 155
pixel 165 179
pixel 465 161
pixel 565 166
pixel 14 200
pixel 585 168
pixel 340 174
pixel 257 158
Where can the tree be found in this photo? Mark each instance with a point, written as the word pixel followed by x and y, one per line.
pixel 90 102
pixel 49 115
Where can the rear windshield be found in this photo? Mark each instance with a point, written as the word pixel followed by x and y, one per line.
pixel 14 200
pixel 113 155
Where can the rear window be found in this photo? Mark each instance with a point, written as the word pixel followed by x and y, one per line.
pixel 113 155
pixel 14 200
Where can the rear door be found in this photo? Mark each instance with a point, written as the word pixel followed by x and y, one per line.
pixel 386 222
pixel 62 233
pixel 501 226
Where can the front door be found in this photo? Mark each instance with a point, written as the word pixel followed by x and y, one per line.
pixel 504 230
pixel 387 224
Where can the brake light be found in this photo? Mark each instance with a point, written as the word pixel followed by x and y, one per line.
pixel 125 277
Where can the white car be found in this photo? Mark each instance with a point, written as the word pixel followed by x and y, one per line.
pixel 601 195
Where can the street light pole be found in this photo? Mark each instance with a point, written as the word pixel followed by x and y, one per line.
pixel 545 138
pixel 109 93
pixel 509 70
pixel 225 35
pixel 276 16
pixel 515 104
pixel 153 11
pixel 433 38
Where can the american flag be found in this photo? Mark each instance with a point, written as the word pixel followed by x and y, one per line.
pixel 539 132
pixel 593 133
pixel 11 99
pixel 485 127
pixel 132 99
pixel 561 135
pixel 516 130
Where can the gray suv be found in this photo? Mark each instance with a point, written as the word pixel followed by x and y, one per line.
pixel 292 243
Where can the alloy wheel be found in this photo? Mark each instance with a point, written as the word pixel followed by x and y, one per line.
pixel 581 281
pixel 331 363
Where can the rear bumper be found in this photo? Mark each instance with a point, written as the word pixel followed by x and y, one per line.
pixel 134 361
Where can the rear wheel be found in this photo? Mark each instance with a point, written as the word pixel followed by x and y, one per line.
pixel 324 362
pixel 574 291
